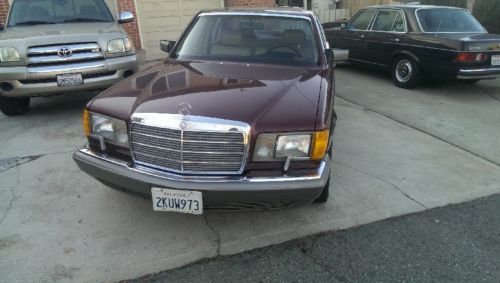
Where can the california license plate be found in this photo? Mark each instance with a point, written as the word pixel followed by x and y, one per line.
pixel 69 79
pixel 177 200
pixel 495 60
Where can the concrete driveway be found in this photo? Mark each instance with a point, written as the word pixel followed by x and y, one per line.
pixel 396 152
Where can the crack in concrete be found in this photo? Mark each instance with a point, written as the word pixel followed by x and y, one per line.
pixel 6 164
pixel 13 197
pixel 488 94
pixel 215 232
pixel 388 116
pixel 14 162
pixel 384 181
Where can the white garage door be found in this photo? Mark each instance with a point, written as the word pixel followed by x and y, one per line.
pixel 166 19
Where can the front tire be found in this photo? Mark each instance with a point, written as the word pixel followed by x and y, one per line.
pixel 405 72
pixel 11 106
pixel 323 197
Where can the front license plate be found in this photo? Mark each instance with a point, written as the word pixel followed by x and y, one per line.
pixel 177 201
pixel 495 60
pixel 69 79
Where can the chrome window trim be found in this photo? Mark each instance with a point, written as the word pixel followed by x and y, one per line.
pixel 193 123
pixel 356 15
pixel 453 8
pixel 401 11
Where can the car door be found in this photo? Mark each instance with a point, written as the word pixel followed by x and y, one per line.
pixel 385 36
pixel 352 37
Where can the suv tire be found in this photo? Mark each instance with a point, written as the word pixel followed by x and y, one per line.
pixel 11 106
pixel 405 72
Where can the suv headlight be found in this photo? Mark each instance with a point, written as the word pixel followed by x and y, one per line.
pixel 303 146
pixel 9 54
pixel 120 45
pixel 112 130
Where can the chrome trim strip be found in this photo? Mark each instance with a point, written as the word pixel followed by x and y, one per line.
pixel 184 161
pixel 208 179
pixel 57 59
pixel 192 141
pixel 189 151
pixel 475 71
pixel 194 123
pixel 54 48
pixel 67 68
pixel 472 74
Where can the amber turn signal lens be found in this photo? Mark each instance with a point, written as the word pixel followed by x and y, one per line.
pixel 86 122
pixel 320 144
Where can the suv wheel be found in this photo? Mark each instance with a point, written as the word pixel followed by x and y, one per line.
pixel 11 106
pixel 405 72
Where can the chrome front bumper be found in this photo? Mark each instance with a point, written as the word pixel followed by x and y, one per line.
pixel 216 190
pixel 41 81
pixel 478 74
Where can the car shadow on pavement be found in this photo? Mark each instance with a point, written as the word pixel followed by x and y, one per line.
pixel 59 104
pixel 454 89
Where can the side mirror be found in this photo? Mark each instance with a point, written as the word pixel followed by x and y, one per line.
pixel 330 56
pixel 167 45
pixel 125 17
pixel 343 26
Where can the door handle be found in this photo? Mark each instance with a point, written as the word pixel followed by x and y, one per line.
pixel 362 36
pixel 395 39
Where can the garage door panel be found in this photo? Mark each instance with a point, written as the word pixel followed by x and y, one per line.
pixel 166 19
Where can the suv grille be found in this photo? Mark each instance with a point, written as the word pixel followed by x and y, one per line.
pixel 63 53
pixel 193 152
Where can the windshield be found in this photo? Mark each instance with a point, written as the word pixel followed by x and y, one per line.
pixel 262 39
pixel 37 12
pixel 448 20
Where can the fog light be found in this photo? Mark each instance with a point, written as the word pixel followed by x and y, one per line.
pixel 6 87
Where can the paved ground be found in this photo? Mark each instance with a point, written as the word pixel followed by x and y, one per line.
pixel 458 243
pixel 396 152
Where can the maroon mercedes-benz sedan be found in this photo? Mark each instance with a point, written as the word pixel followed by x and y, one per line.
pixel 238 116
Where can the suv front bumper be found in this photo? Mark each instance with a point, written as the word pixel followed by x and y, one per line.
pixel 28 81
pixel 290 190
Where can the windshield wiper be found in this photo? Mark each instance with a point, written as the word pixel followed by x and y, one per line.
pixel 82 20
pixel 29 23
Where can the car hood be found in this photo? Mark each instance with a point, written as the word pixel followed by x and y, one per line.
pixel 23 37
pixel 56 30
pixel 267 97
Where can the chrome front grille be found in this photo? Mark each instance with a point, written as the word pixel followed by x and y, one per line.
pixel 51 54
pixel 200 148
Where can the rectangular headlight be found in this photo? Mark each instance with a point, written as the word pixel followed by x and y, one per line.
pixel 112 130
pixel 120 45
pixel 9 54
pixel 294 146
pixel 300 145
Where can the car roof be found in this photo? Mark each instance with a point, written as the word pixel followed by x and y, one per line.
pixel 410 7
pixel 281 11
